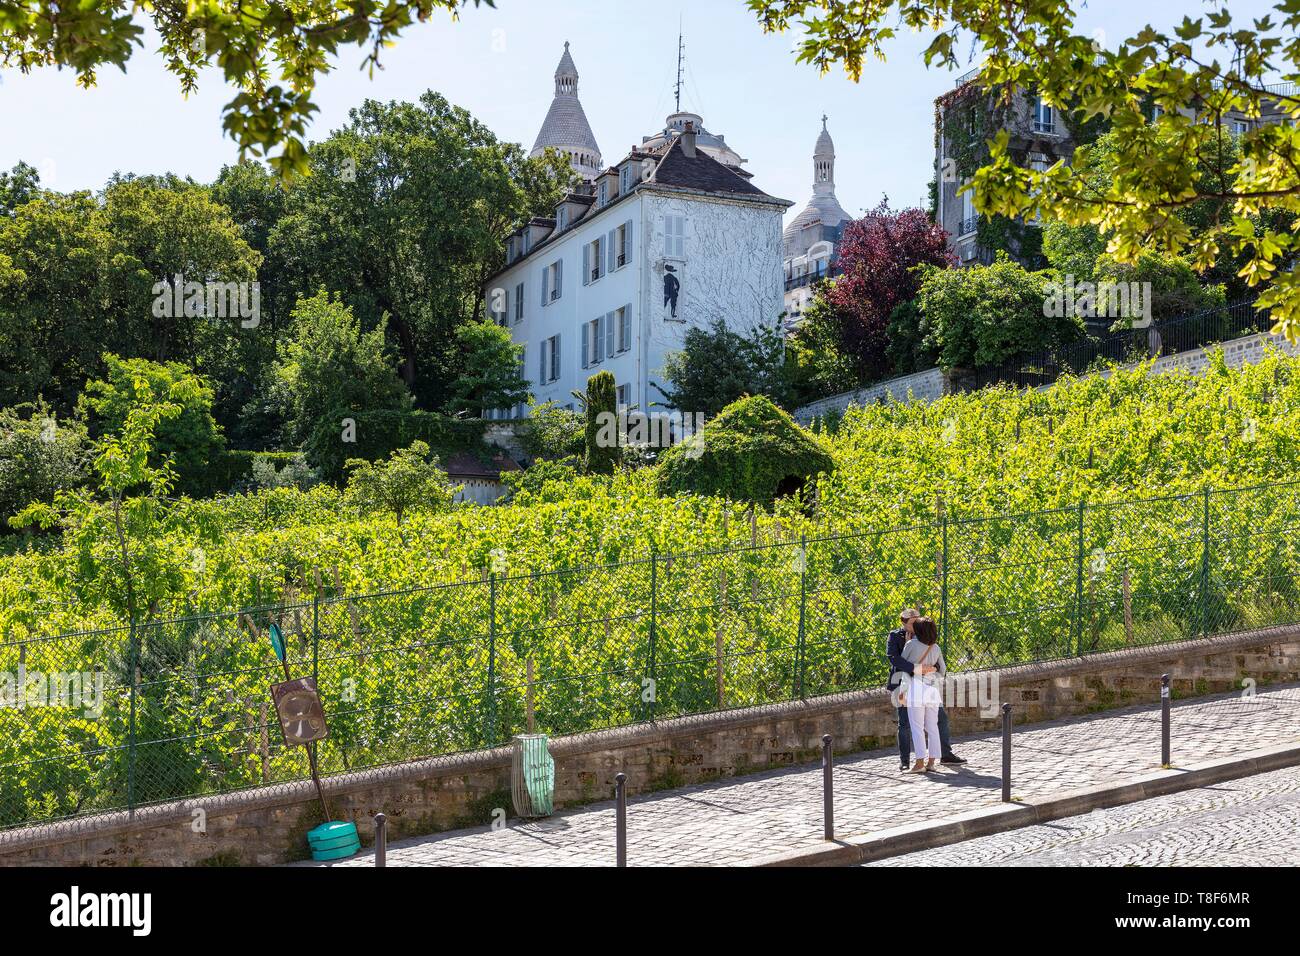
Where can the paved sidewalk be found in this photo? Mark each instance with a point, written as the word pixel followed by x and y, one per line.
pixel 1253 821
pixel 741 819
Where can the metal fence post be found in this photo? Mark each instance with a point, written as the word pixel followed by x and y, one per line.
pixel 1006 753
pixel 654 616
pixel 381 840
pixel 803 607
pixel 1205 567
pixel 828 793
pixel 1164 720
pixel 620 819
pixel 133 676
pixel 1078 589
pixel 491 729
pixel 315 637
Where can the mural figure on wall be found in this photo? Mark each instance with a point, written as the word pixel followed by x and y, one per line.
pixel 672 285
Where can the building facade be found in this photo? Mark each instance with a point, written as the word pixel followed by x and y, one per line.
pixel 667 239
pixel 809 242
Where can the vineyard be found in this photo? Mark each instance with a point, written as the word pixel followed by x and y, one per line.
pixel 1105 512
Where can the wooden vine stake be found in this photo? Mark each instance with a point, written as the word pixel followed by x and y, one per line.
pixel 718 670
pixel 753 527
pixel 265 746
pixel 528 694
pixel 1128 609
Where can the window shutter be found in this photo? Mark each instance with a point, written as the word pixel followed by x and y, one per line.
pixel 555 358
pixel 627 240
pixel 586 354
pixel 505 306
pixel 610 243
pixel 586 265
pixel 546 278
pixel 559 278
pixel 541 372
pixel 609 334
pixel 625 327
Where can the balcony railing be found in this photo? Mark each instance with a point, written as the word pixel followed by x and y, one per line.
pixel 808 278
pixel 968 225
pixel 1044 127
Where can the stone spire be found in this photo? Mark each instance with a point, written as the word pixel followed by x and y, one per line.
pixel 824 207
pixel 566 128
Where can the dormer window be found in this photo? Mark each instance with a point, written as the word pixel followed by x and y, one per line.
pixel 561 218
pixel 603 193
pixel 625 178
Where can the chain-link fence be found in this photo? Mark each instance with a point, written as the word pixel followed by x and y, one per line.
pixel 128 716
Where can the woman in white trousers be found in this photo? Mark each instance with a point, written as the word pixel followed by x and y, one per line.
pixel 924 694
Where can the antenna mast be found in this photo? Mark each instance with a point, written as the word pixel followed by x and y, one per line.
pixel 681 49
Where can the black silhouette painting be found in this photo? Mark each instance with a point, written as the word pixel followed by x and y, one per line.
pixel 672 285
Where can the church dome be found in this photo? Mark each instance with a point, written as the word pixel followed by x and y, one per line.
pixel 824 207
pixel 566 128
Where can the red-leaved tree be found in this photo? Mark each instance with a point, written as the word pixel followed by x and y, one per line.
pixel 875 256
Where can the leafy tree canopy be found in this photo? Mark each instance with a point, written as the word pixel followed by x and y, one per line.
pixel 718 365
pixel 489 370
pixel 1199 73
pixel 270 50
pixel 411 478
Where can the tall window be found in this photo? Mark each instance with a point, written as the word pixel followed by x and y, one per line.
pixel 604 192
pixel 549 360
pixel 593 260
pixel 552 281
pixel 519 303
pixel 1044 118
pixel 675 236
pixel 623 243
pixel 623 327
pixel 624 396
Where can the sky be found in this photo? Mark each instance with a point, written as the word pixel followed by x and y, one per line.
pixel 499 64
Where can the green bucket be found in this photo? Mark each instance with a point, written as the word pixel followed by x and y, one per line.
pixel 333 841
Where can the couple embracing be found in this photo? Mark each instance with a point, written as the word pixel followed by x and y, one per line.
pixel 916 671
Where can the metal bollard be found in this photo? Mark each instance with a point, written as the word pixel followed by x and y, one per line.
pixel 620 818
pixel 1164 720
pixel 828 791
pixel 381 840
pixel 1006 753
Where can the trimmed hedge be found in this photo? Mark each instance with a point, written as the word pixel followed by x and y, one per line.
pixel 753 451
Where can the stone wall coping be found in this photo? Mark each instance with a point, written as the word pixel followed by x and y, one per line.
pixel 611 739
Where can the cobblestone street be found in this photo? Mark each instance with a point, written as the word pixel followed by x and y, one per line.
pixel 1254 821
pixel 742 819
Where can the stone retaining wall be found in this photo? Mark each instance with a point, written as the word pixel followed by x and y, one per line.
pixel 268 825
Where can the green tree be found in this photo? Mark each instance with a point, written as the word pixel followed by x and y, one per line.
pixel 329 372
pixel 270 50
pixel 18 186
pixel 40 456
pixel 489 370
pixel 602 403
pixel 818 365
pixel 1200 74
pixel 986 315
pixel 718 365
pixel 411 478
pixel 190 439
pixel 553 433
pixel 406 215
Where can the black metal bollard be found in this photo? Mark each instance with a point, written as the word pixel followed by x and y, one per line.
pixel 828 789
pixel 1164 720
pixel 620 818
pixel 381 840
pixel 1006 753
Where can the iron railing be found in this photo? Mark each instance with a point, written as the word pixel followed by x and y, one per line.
pixel 123 717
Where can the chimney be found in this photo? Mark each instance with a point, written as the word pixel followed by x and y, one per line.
pixel 688 140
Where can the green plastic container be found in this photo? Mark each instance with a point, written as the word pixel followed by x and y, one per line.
pixel 334 841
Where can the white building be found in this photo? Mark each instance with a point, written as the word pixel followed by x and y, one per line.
pixel 667 239
pixel 809 241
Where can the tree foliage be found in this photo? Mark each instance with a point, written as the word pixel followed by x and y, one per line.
pixel 602 402
pixel 877 257
pixel 410 478
pixel 1200 73
pixel 40 456
pixel 718 365
pixel 490 375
